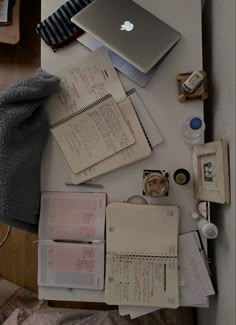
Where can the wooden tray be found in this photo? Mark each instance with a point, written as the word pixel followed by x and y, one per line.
pixel 11 34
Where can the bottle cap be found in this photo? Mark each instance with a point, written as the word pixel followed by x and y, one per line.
pixel 195 123
pixel 209 230
pixel 194 215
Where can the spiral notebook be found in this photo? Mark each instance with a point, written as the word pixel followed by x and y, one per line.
pixel 83 114
pixel 92 134
pixel 141 257
pixel 141 149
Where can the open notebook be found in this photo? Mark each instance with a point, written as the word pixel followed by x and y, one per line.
pixel 139 150
pixel 83 115
pixel 71 240
pixel 141 257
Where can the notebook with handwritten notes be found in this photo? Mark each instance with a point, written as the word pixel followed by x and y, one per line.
pixel 71 240
pixel 141 255
pixel 83 114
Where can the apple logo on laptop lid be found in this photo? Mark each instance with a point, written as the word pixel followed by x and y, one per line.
pixel 127 26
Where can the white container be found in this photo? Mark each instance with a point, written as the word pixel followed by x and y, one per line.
pixel 193 81
pixel 193 130
pixel 208 229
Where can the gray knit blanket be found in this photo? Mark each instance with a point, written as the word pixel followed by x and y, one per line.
pixel 23 132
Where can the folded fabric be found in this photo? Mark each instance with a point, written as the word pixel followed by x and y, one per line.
pixel 57 30
pixel 53 316
pixel 23 131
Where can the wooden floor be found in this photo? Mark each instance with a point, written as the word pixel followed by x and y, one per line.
pixel 18 256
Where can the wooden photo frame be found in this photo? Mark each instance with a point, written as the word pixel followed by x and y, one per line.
pixel 211 172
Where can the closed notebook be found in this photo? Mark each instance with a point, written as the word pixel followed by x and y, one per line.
pixel 71 240
pixel 141 256
pixel 141 149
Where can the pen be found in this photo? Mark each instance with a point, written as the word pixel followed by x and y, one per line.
pixel 78 241
pixel 85 184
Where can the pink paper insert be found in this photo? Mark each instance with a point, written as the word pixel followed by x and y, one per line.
pixel 69 257
pixel 72 217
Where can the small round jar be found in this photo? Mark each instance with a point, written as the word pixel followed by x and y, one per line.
pixel 181 176
pixel 156 185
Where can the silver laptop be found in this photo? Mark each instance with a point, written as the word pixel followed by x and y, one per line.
pixel 129 30
pixel 140 78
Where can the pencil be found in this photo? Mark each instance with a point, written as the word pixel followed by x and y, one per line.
pixel 85 184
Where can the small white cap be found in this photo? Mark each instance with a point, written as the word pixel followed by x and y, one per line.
pixel 194 215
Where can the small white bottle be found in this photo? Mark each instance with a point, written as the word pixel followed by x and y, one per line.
pixel 208 229
pixel 193 130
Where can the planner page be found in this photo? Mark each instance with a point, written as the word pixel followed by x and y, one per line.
pixel 144 281
pixel 72 216
pixel 71 265
pixel 147 230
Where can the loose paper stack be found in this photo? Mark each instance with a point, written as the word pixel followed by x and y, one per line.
pixel 194 279
pixel 141 257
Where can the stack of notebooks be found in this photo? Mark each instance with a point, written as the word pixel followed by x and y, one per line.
pixel 141 248
pixel 95 122
pixel 144 266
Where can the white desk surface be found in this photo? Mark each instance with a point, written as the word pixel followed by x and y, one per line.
pixel 160 98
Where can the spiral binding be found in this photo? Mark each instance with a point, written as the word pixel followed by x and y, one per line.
pixel 93 104
pixel 143 258
pixel 141 254
pixel 128 93
pixel 84 109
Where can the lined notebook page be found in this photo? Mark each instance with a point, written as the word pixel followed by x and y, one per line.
pixel 95 134
pixel 143 281
pixel 72 216
pixel 71 265
pixel 148 230
pixel 139 150
pixel 82 83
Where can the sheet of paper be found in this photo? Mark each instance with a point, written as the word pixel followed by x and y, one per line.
pixel 72 216
pixel 93 135
pixel 82 83
pixel 135 311
pixel 150 128
pixel 89 41
pixel 193 272
pixel 202 250
pixel 139 150
pixel 4 4
pixel 71 265
pixel 143 281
